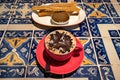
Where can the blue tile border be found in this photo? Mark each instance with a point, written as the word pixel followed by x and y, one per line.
pixel 106 1
pixel 4 21
pixel 12 71
pixel 113 33
pixel 40 33
pixel 7 1
pixel 83 30
pixel 18 33
pixel 116 43
pixel 90 72
pixel 1 33
pixel 32 58
pixel 92 1
pixel 26 1
pixel 116 20
pixel 34 72
pixel 94 27
pixel 89 51
pixel 112 10
pixel 107 73
pixel 63 0
pixel 101 51
pixel 78 1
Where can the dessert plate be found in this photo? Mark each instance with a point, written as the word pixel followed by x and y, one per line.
pixel 46 20
pixel 58 67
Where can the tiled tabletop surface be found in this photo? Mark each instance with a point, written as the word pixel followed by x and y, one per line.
pixel 99 34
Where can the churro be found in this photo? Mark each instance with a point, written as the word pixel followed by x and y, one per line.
pixel 45 10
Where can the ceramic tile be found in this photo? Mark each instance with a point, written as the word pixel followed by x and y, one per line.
pixel 114 33
pixel 1 33
pixel 99 34
pixel 107 73
pixel 50 1
pixel 101 51
pixel 116 70
pixel 96 10
pixel 82 31
pixel 7 1
pixel 112 10
pixel 117 27
pixel 106 30
pixel 26 1
pixel 116 42
pixel 12 71
pixel 89 58
pixel 14 51
pixel 89 72
pixel 110 50
pixel 94 22
pixel 34 71
pixel 116 20
pixel 32 59
pixel 63 0
pixel 14 33
pixel 106 1
pixel 22 13
pixel 19 27
pixel 15 47
pixel 92 1
pixel 5 12
pixel 40 33
pixel 78 1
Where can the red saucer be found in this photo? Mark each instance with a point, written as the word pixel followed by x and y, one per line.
pixel 64 67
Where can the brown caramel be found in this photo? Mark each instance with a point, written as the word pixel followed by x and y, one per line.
pixel 60 16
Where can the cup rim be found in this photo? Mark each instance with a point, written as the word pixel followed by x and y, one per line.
pixel 66 53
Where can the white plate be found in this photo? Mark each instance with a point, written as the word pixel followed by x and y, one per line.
pixel 46 20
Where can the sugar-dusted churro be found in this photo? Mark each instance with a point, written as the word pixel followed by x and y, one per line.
pixel 46 10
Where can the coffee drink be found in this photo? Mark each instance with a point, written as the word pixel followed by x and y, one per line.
pixel 60 42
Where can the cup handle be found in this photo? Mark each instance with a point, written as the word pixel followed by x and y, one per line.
pixel 76 51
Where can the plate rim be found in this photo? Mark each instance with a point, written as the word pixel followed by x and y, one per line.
pixel 65 25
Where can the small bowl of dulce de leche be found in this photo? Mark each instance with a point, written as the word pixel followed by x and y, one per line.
pixel 60 44
pixel 60 18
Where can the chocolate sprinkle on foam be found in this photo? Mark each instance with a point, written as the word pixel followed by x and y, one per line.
pixel 60 41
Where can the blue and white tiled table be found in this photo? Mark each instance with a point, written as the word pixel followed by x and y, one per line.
pixel 99 33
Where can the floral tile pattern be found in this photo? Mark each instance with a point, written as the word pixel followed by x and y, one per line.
pixel 100 51
pixel 5 12
pixel 32 59
pixel 112 10
pixel 96 10
pixel 99 34
pixel 107 73
pixel 116 42
pixel 93 24
pixel 113 33
pixel 14 51
pixel 13 72
pixel 22 13
pixel 90 72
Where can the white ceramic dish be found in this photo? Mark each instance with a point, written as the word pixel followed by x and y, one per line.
pixel 46 20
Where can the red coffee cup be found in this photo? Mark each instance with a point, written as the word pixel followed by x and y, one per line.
pixel 60 45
